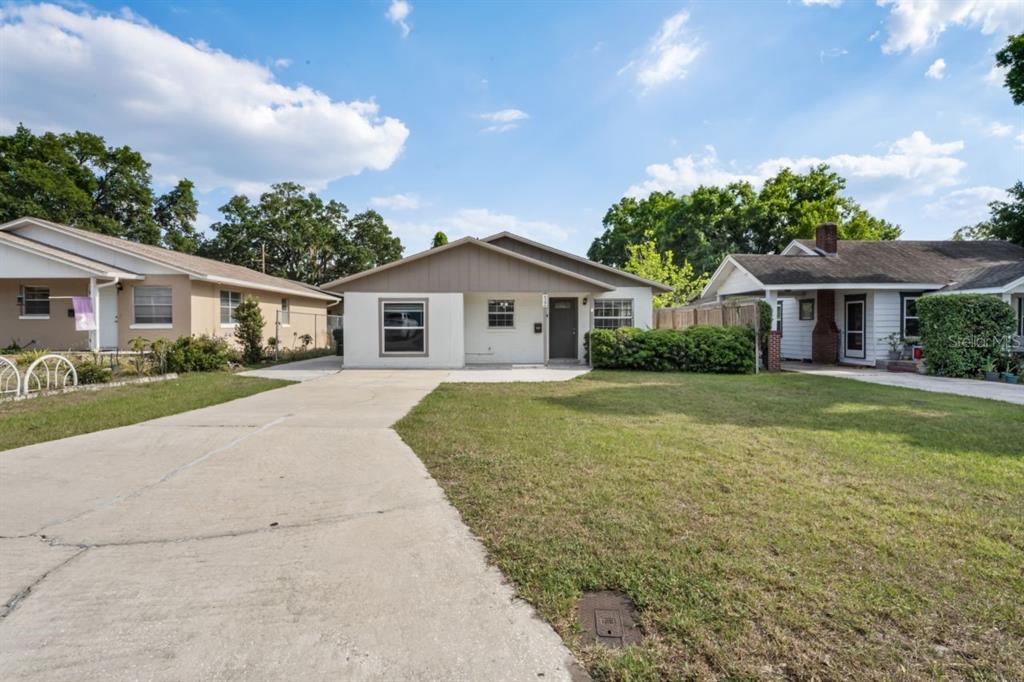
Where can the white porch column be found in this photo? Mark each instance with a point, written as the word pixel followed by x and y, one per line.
pixel 547 319
pixel 771 297
pixel 94 335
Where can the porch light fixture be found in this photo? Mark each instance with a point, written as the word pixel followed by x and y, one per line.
pixel 584 300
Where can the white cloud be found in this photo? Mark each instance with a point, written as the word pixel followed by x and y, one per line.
pixel 397 202
pixel 937 70
pixel 997 129
pixel 282 63
pixel 669 54
pixel 833 53
pixel 965 206
pixel 398 12
pixel 829 3
pixel 503 120
pixel 922 166
pixel 192 110
pixel 915 24
pixel 477 222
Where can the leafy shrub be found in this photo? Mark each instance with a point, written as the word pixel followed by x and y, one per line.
pixel 197 354
pixel 93 373
pixel 724 350
pixel 249 329
pixel 27 357
pixel 963 333
pixel 764 313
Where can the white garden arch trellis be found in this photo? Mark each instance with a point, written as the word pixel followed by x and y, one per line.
pixel 10 379
pixel 54 374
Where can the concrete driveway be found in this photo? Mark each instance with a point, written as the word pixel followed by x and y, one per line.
pixel 286 536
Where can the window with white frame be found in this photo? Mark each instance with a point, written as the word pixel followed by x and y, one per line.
pixel 229 300
pixel 286 315
pixel 501 314
pixel 911 323
pixel 34 301
pixel 152 305
pixel 403 327
pixel 612 313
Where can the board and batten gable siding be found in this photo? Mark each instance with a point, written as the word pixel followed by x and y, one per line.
pixel 445 330
pixel 570 264
pixel 796 333
pixel 466 268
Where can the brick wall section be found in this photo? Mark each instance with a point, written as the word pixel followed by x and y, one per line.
pixel 826 237
pixel 825 337
pixel 774 360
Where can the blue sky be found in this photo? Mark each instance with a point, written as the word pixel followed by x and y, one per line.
pixel 533 117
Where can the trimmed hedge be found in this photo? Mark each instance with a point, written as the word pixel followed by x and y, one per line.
pixel 961 332
pixel 720 350
pixel 197 354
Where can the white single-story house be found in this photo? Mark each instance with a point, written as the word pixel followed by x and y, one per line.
pixel 501 300
pixel 136 290
pixel 837 301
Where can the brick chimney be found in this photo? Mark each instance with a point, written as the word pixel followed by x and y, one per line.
pixel 826 238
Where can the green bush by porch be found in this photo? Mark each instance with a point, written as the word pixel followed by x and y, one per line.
pixel 962 333
pixel 719 350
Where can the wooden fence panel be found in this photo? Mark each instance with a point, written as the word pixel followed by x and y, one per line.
pixel 714 314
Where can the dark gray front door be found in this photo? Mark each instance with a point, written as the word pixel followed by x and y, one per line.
pixel 562 323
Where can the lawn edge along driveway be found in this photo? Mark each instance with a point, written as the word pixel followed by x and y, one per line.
pixel 772 526
pixel 46 418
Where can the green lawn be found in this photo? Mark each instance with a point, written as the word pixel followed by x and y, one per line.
pixel 36 420
pixel 774 526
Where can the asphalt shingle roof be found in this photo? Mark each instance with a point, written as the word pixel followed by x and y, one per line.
pixel 195 264
pixel 981 263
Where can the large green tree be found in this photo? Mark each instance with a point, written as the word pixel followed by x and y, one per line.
pixel 701 227
pixel 175 213
pixel 1011 57
pixel 296 234
pixel 75 178
pixel 1006 219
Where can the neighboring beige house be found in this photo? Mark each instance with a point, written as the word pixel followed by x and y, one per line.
pixel 501 300
pixel 137 290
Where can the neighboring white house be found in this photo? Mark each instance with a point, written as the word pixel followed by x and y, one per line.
pixel 837 300
pixel 500 300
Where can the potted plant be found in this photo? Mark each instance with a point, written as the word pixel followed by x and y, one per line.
pixel 1014 367
pixel 895 342
pixel 989 368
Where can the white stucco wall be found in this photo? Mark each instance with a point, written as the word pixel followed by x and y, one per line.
pixel 445 328
pixel 518 345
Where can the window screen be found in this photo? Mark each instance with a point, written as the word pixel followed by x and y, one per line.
pixel 612 313
pixel 404 327
pixel 153 305
pixel 501 314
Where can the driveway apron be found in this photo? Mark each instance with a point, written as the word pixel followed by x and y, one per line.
pixel 290 535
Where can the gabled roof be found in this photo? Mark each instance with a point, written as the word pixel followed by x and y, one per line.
pixel 993 277
pixel 573 262
pixel 87 265
pixel 587 283
pixel 196 266
pixel 880 262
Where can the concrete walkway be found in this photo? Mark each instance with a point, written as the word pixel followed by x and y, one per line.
pixel 967 387
pixel 290 535
pixel 300 370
